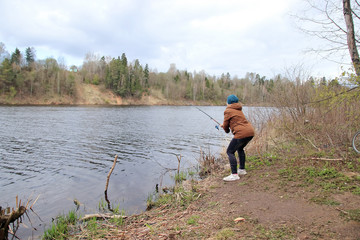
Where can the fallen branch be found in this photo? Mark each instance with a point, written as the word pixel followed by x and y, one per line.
pixel 344 212
pixel 101 216
pixel 324 159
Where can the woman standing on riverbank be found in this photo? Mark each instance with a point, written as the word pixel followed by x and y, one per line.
pixel 235 120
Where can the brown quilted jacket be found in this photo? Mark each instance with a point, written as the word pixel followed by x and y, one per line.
pixel 234 120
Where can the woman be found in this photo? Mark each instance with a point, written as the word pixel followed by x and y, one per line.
pixel 234 120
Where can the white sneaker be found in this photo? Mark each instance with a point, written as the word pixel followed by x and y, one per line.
pixel 231 177
pixel 242 172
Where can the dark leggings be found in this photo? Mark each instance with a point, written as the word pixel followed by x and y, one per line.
pixel 237 145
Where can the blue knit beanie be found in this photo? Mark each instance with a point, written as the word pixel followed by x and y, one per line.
pixel 232 99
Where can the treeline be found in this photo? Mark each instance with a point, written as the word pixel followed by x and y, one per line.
pixel 21 75
pixel 131 79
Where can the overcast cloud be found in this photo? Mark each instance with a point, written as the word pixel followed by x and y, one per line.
pixel 235 36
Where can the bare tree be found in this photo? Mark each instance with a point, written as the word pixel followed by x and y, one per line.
pixel 351 40
pixel 334 21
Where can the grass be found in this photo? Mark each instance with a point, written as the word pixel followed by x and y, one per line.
pixel 61 226
pixel 324 200
pixel 65 225
pixel 225 234
pixel 92 226
pixel 174 196
pixel 193 220
pixel 255 162
pixel 181 176
pixel 352 214
pixel 323 176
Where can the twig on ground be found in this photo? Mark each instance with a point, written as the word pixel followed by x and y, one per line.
pixel 344 212
pixel 324 159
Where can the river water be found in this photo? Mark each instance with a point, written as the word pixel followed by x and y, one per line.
pixel 62 153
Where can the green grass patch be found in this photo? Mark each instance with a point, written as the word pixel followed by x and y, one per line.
pixel 329 173
pixel 92 226
pixel 288 173
pixel 255 162
pixel 225 234
pixel 193 220
pixel 60 228
pixel 181 176
pixel 277 233
pixel 325 177
pixel 323 200
pixel 177 197
pixel 353 214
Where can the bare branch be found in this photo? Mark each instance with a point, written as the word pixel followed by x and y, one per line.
pixel 334 23
pixel 328 16
pixel 354 13
pixel 357 3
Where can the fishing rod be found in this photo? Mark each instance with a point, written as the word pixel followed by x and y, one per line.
pixel 218 124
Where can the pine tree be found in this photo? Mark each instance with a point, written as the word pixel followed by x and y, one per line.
pixel 16 57
pixel 7 76
pixel 30 57
pixel 146 76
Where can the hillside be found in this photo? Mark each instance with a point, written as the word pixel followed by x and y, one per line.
pixel 87 94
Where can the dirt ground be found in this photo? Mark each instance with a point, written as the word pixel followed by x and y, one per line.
pixel 261 205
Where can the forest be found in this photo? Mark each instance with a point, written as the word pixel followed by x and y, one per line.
pixel 22 75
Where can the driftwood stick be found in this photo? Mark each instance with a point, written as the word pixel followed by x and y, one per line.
pixel 101 216
pixel 179 161
pixel 324 159
pixel 34 201
pixel 108 176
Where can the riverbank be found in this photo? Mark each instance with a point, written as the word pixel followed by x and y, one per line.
pixel 293 190
pixel 90 94
pixel 279 198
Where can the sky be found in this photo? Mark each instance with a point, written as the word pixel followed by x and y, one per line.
pixel 229 36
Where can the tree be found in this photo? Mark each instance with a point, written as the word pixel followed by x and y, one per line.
pixel 91 67
pixel 125 78
pixel 7 75
pixel 351 41
pixel 3 53
pixel 16 57
pixel 30 57
pixel 146 76
pixel 335 22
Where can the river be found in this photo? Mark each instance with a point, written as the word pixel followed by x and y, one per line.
pixel 62 153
